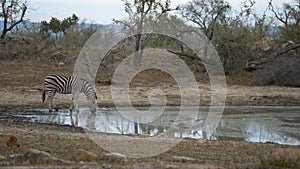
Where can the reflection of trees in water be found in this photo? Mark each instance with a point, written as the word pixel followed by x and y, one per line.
pixel 122 125
pixel 55 118
pixel 236 127
pixel 260 131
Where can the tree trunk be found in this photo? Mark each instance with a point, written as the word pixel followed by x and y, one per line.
pixel 137 56
pixel 2 35
pixel 7 12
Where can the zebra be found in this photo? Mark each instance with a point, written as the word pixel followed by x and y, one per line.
pixel 68 85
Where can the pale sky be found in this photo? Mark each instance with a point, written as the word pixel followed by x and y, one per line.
pixel 103 11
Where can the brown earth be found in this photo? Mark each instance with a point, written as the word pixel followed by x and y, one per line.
pixel 21 85
pixel 49 146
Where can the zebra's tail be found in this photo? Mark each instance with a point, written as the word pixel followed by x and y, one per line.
pixel 44 93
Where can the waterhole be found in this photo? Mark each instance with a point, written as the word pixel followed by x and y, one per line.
pixel 252 124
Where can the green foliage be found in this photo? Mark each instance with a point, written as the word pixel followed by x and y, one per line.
pixel 45 29
pixel 45 38
pixel 74 34
pixel 290 33
pixel 235 47
pixel 233 36
pixel 75 38
pixel 57 26
pixel 68 22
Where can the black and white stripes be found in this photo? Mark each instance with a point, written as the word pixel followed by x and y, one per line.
pixel 68 85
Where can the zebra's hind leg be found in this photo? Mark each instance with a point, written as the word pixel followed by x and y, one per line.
pixel 51 95
pixel 53 103
pixel 49 103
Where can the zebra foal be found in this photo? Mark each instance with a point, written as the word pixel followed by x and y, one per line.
pixel 68 85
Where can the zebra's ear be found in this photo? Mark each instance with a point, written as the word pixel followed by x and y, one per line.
pixel 96 96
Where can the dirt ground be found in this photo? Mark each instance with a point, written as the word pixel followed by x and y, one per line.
pixel 28 145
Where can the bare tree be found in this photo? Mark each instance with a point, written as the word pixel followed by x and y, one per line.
pixel 206 14
pixel 138 12
pixel 289 16
pixel 13 13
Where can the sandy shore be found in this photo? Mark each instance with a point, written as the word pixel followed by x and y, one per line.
pixel 236 95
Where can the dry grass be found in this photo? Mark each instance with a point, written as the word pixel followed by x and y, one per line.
pixel 28 73
pixel 242 79
pixel 70 146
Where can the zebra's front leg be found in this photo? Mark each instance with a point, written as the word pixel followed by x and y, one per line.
pixel 75 106
pixel 71 112
pixel 49 103
pixel 71 107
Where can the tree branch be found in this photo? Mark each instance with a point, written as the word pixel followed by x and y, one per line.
pixel 277 16
pixel 10 13
pixel 20 20
pixel 254 65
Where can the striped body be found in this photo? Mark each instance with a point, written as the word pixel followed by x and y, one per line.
pixel 68 85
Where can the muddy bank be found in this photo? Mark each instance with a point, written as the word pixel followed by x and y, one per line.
pixel 44 145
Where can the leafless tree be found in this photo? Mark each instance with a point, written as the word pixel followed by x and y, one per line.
pixel 13 13
pixel 288 14
pixel 206 14
pixel 138 12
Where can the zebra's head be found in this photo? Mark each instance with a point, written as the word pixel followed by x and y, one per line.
pixel 90 94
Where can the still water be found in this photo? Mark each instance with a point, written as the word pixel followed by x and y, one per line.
pixel 252 124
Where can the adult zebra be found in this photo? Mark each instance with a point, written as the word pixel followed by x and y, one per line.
pixel 69 85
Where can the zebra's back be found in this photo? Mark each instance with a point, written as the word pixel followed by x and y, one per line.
pixel 59 83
